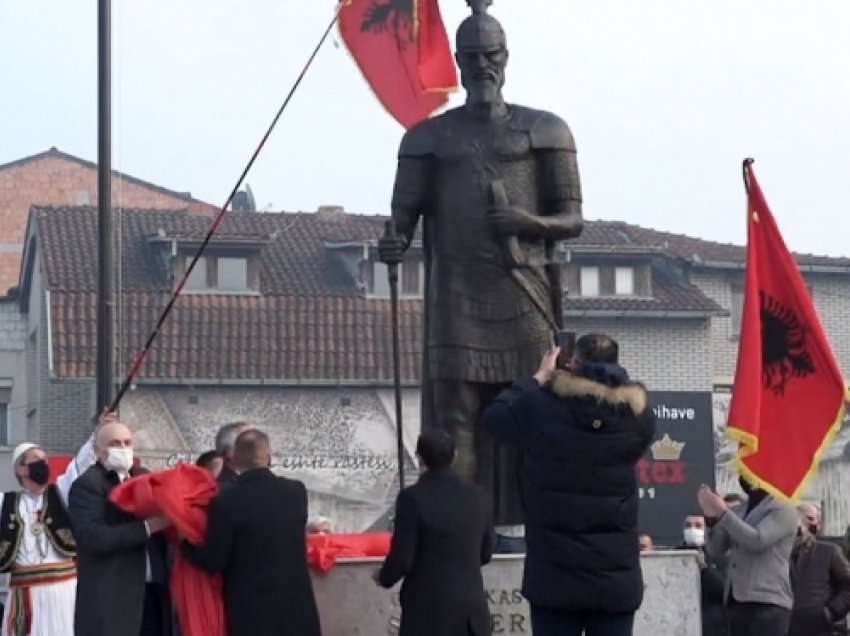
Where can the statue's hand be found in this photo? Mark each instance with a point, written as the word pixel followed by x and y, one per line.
pixel 391 249
pixel 513 221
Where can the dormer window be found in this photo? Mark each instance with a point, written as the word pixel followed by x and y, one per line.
pixel 608 280
pixel 221 274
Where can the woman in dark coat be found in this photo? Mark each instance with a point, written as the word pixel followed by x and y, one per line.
pixel 581 433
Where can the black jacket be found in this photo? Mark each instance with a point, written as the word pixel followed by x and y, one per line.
pixel 442 536
pixel 227 478
pixel 111 559
pixel 712 577
pixel 256 538
pixel 820 578
pixel 580 441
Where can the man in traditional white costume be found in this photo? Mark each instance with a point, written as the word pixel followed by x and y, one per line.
pixel 37 550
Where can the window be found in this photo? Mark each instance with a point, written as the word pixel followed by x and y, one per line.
pixel 589 284
pixel 4 424
pixel 5 398
pixel 219 274
pixel 232 274
pixel 411 277
pixel 737 309
pixel 624 281
pixel 198 277
pixel 380 280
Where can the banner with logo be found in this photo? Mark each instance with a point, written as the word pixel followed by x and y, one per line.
pixel 680 458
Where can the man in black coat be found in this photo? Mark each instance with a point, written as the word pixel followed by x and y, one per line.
pixel 580 432
pixel 820 578
pixel 256 537
pixel 442 536
pixel 122 573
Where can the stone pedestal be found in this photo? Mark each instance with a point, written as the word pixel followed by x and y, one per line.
pixel 350 604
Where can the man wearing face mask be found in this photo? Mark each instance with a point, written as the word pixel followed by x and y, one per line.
pixel 711 578
pixel 37 550
pixel 758 537
pixel 122 566
pixel 820 577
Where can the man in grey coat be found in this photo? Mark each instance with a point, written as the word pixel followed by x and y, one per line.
pixel 758 537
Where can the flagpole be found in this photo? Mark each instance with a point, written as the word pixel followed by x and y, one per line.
pixel 749 161
pixel 104 374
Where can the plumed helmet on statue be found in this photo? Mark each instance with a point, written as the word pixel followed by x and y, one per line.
pixel 20 451
pixel 480 31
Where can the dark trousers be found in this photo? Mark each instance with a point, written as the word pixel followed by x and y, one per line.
pixel 758 619
pixel 550 622
pixel 153 611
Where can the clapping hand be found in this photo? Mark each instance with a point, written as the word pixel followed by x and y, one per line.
pixel 711 503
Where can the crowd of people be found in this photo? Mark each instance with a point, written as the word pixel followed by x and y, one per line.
pixel 80 564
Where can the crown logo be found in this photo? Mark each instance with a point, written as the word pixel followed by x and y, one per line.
pixel 667 450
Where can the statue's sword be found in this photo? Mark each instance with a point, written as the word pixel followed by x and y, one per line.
pixel 515 258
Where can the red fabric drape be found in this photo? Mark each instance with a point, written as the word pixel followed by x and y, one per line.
pixel 323 550
pixel 58 464
pixel 182 495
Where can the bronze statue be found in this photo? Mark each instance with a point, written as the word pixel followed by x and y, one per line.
pixel 496 186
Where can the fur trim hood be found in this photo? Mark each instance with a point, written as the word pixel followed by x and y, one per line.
pixel 565 384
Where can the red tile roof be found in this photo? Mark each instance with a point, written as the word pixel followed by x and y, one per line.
pixel 310 323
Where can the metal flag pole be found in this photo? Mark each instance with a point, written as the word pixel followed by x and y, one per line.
pixel 392 263
pixel 104 205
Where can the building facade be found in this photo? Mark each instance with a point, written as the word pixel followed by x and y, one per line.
pixel 286 323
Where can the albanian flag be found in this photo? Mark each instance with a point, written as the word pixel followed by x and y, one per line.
pixel 788 398
pixel 403 51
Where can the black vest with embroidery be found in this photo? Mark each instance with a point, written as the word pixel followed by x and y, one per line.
pixel 57 527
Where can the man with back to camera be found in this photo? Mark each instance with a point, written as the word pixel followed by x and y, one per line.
pixel 256 537
pixel 581 433
pixel 442 536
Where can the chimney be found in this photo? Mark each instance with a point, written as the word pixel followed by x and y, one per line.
pixel 330 211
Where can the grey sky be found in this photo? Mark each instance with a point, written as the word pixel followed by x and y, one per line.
pixel 664 98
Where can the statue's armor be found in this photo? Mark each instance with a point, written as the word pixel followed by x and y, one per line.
pixel 486 323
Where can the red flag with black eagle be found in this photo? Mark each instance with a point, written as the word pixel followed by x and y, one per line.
pixel 403 51
pixel 788 398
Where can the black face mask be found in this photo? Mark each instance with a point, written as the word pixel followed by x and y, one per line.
pixel 39 472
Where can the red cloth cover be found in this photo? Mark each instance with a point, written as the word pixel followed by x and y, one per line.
pixel 58 464
pixel 181 494
pixel 324 549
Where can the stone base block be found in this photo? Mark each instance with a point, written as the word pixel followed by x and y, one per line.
pixel 350 604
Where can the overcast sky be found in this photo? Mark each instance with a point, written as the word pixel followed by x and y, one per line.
pixel 664 99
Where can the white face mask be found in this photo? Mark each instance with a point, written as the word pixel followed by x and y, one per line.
pixel 119 459
pixel 694 536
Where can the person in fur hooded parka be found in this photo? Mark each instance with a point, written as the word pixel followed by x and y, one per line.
pixel 581 431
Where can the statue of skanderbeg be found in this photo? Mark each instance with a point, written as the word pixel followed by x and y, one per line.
pixel 496 185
